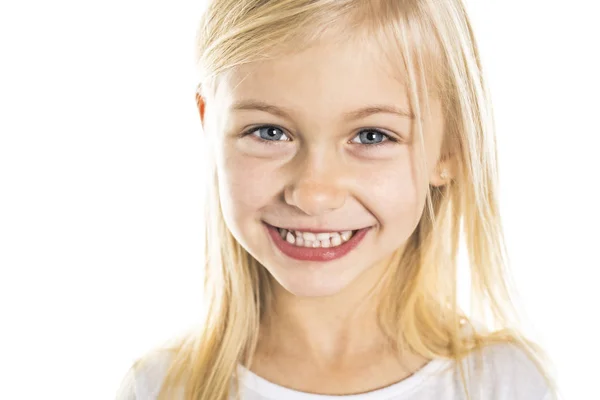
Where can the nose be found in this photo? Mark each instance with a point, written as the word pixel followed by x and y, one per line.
pixel 317 189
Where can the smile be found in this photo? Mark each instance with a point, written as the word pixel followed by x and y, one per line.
pixel 315 246
pixel 311 239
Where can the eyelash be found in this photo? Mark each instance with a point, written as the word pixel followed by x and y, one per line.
pixel 388 138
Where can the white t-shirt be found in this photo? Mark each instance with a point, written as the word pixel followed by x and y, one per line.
pixel 506 374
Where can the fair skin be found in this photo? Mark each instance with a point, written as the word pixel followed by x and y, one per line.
pixel 320 172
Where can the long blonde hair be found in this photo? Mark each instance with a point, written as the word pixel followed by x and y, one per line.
pixel 435 44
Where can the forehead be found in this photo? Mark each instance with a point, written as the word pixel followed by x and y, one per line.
pixel 324 80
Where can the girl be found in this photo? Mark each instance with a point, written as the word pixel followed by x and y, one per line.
pixel 352 149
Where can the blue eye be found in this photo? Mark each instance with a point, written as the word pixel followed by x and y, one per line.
pixel 269 133
pixel 272 134
pixel 371 137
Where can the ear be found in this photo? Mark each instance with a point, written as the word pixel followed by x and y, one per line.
pixel 201 103
pixel 443 173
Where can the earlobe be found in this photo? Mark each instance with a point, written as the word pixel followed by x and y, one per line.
pixel 442 175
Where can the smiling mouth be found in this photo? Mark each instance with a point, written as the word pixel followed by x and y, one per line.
pixel 311 238
pixel 312 245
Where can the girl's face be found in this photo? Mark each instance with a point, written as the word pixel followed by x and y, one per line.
pixel 321 141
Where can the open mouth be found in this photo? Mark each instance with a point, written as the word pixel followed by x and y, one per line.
pixel 315 246
pixel 315 240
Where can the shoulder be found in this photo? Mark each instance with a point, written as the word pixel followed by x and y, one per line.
pixel 506 371
pixel 144 379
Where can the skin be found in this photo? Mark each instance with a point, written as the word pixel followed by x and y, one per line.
pixel 322 335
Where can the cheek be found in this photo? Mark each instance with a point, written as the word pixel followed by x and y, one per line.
pixel 397 194
pixel 245 184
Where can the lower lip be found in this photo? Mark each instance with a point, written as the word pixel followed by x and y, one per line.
pixel 315 253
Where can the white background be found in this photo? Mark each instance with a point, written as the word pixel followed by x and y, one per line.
pixel 100 183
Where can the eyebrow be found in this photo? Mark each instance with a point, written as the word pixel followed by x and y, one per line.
pixel 352 115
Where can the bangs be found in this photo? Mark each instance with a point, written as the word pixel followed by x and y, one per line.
pixel 408 39
pixel 398 31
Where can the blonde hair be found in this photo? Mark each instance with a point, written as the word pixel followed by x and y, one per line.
pixel 434 42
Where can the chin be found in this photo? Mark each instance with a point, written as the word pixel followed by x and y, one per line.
pixel 311 285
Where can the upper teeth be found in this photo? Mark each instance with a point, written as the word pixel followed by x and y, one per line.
pixel 310 239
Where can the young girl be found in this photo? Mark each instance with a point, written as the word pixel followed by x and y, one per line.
pixel 353 150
